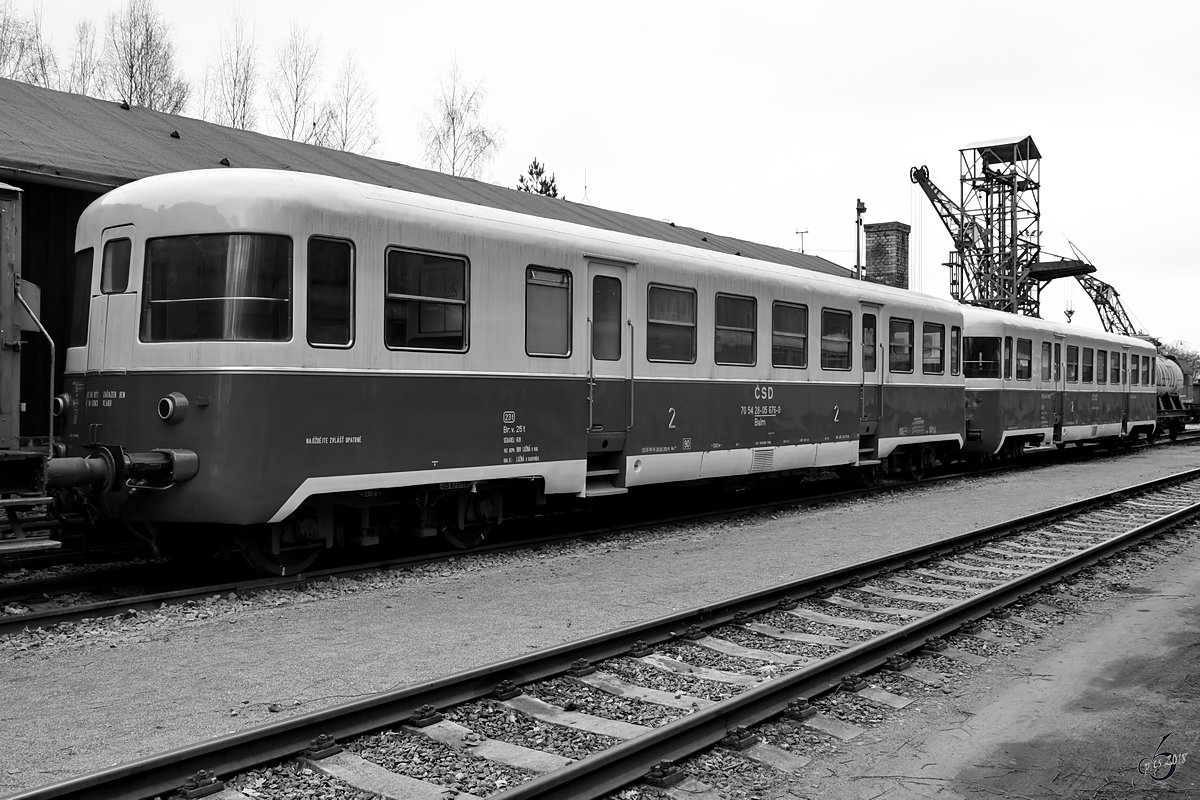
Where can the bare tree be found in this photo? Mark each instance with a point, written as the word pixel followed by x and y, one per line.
pixel 457 139
pixel 14 42
pixel 139 59
pixel 235 78
pixel 41 65
pixel 83 74
pixel 292 90
pixel 350 112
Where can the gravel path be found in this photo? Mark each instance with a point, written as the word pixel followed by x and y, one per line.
pixel 93 694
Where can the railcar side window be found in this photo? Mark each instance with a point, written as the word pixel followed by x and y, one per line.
pixel 330 292
pixel 1088 364
pixel 900 345
pixel 671 324
pixel 1101 366
pixel 1008 357
pixel 982 356
pixel 1047 361
pixel 1024 359
pixel 1124 367
pixel 1150 370
pixel 217 287
pixel 836 328
pixel 1072 363
pixel 1057 362
pixel 606 318
pixel 426 307
pixel 869 354
pixel 789 335
pixel 81 297
pixel 1134 370
pixel 933 349
pixel 114 270
pixel 736 330
pixel 548 312
pixel 955 350
pixel 1146 371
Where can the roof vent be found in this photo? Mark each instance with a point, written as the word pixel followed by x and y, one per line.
pixel 224 162
pixel 704 238
pixel 174 134
pixel 125 105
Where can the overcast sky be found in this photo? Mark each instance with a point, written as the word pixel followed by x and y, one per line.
pixel 760 119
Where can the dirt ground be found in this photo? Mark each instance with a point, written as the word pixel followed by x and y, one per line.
pixel 98 695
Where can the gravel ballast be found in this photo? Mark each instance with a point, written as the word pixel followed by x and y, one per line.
pixel 88 696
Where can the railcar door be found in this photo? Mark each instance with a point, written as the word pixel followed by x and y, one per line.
pixel 610 400
pixel 871 391
pixel 115 258
pixel 1059 388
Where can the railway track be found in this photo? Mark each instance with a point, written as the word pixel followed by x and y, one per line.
pixel 95 594
pixel 709 675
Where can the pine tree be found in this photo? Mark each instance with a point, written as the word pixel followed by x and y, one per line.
pixel 535 181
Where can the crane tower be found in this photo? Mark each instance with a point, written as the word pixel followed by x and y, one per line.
pixel 996 227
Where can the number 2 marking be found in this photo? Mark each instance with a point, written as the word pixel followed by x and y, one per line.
pixel 671 419
pixel 837 411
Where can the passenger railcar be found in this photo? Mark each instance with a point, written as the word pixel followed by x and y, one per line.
pixel 312 362
pixel 1031 382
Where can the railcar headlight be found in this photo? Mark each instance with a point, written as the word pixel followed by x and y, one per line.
pixel 61 404
pixel 173 407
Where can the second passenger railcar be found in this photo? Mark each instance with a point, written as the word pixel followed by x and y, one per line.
pixel 1030 382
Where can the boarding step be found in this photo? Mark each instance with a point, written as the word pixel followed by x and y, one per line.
pixel 10 547
pixel 868 462
pixel 601 488
pixel 602 473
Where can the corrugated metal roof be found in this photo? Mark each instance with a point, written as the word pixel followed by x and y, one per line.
pixel 1006 149
pixel 58 138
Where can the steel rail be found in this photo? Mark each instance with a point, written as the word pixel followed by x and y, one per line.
pixel 168 771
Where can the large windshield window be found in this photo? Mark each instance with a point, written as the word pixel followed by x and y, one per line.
pixel 217 287
pixel 981 356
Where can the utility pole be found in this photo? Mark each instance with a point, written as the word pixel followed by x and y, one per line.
pixel 860 209
pixel 802 232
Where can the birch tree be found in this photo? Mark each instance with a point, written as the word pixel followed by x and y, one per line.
pixel 458 140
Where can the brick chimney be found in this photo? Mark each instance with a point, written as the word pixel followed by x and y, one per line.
pixel 887 253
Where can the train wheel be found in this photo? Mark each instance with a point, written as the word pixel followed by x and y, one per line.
pixel 277 549
pixel 468 538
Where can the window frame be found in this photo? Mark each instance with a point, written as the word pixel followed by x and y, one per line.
pixel 1028 347
pixel 352 322
pixel 1047 361
pixel 81 297
pixel 570 308
pixel 870 355
pixel 955 350
pixel 106 272
pixel 147 300
pixel 1087 365
pixel 912 333
pixel 1007 353
pixel 1073 376
pixel 718 327
pixel 776 333
pixel 694 325
pixel 464 302
pixel 849 315
pixel 939 328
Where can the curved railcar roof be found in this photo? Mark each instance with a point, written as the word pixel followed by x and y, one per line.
pixel 55 137
pixel 978 320
pixel 241 194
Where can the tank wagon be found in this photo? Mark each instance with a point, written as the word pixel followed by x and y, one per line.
pixel 1031 382
pixel 296 362
pixel 1175 407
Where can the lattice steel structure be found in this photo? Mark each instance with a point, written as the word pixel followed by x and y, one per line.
pixel 997 227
